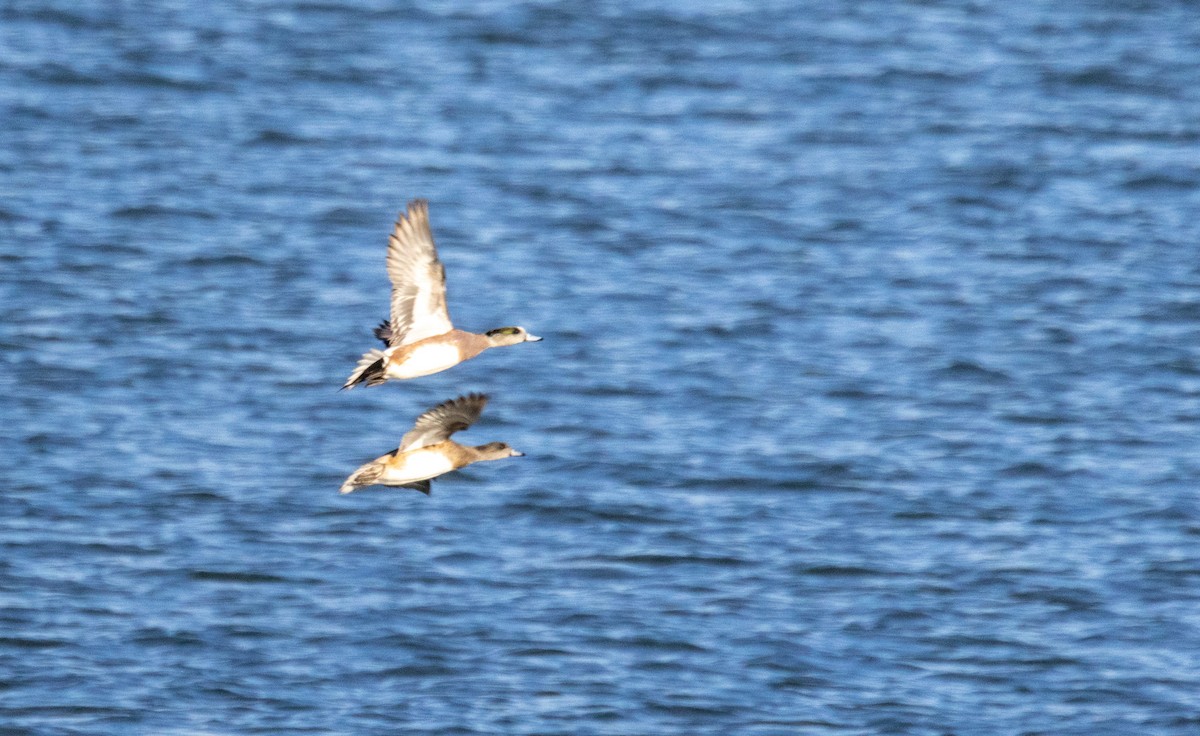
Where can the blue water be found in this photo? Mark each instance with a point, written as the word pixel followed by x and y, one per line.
pixel 868 402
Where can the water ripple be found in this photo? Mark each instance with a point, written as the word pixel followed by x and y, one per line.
pixel 867 402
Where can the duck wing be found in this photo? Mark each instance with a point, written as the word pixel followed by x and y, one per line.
pixel 418 279
pixel 420 485
pixel 443 420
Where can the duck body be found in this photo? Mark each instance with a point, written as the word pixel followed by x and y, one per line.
pixel 422 358
pixel 434 354
pixel 402 468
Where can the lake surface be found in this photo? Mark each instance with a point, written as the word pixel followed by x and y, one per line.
pixel 868 402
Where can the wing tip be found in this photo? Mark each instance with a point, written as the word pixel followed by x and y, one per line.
pixel 423 486
pixel 418 207
pixel 475 397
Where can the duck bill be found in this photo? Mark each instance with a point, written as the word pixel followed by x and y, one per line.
pixel 532 338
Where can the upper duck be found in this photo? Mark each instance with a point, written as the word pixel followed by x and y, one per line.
pixel 420 338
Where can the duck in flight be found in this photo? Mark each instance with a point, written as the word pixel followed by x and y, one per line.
pixel 419 338
pixel 427 451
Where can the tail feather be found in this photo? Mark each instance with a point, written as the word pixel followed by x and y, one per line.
pixel 370 369
pixel 364 476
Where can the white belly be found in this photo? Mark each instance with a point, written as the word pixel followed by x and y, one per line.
pixel 418 465
pixel 424 360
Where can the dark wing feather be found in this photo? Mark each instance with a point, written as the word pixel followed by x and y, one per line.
pixel 384 332
pixel 420 485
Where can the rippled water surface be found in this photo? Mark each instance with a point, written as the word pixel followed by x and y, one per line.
pixel 868 402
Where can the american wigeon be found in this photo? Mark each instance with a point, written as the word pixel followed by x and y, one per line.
pixel 427 450
pixel 419 337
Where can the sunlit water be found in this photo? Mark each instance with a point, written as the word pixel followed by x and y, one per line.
pixel 868 402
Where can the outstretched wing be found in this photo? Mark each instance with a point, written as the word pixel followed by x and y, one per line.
pixel 418 279
pixel 443 420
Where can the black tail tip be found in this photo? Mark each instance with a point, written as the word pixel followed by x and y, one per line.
pixel 374 374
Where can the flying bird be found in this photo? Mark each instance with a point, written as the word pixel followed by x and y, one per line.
pixel 427 451
pixel 419 338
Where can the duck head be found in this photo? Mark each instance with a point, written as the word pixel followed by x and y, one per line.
pixel 496 451
pixel 509 336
